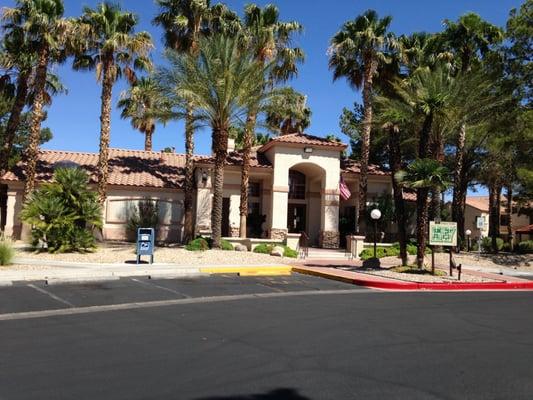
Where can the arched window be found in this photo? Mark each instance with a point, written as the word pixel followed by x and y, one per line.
pixel 296 185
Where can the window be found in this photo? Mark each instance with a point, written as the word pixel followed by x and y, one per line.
pixel 296 185
pixel 504 220
pixel 254 189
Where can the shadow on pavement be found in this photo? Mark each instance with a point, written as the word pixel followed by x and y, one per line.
pixel 278 394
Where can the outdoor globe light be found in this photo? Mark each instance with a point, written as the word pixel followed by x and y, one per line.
pixel 375 214
pixel 468 233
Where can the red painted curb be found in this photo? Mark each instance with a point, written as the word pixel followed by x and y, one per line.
pixel 390 285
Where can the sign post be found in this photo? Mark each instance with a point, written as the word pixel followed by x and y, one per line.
pixel 480 224
pixel 442 234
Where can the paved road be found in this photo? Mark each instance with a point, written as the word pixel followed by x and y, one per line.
pixel 292 338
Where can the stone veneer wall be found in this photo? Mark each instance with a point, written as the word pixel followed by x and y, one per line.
pixel 329 239
pixel 278 234
pixel 234 232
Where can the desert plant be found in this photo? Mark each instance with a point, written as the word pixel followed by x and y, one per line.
pixel 486 244
pixel 6 253
pixel 225 245
pixel 63 213
pixel 290 253
pixel 144 214
pixel 264 248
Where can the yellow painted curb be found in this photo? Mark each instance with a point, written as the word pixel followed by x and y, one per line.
pixel 249 271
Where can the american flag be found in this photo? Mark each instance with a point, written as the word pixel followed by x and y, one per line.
pixel 344 191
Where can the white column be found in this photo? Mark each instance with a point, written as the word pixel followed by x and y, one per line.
pixel 13 228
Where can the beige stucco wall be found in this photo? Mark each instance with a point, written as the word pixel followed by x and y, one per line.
pixel 471 213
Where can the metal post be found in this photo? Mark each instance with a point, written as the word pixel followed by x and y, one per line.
pixel 433 260
pixel 451 261
pixel 375 237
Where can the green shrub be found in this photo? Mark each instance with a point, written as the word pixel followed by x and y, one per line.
pixel 63 213
pixel 225 245
pixel 198 244
pixel 290 253
pixel 380 252
pixel 525 246
pixel 264 248
pixel 144 214
pixel 486 244
pixel 6 253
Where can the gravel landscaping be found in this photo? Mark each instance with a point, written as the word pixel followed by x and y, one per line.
pixel 425 278
pixel 121 253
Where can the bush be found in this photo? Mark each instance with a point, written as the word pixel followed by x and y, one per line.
pixel 63 213
pixel 380 252
pixel 290 253
pixel 144 214
pixel 198 244
pixel 225 245
pixel 264 248
pixel 486 244
pixel 525 247
pixel 6 253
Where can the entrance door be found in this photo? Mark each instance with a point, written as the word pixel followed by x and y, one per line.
pixel 296 222
pixel 225 217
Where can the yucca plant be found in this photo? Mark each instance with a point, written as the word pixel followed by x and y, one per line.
pixel 63 213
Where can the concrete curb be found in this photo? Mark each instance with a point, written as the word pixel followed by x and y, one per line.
pixel 389 284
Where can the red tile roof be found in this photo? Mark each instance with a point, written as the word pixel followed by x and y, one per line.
pixel 479 202
pixel 409 196
pixel 302 138
pixel 525 229
pixel 257 160
pixel 126 167
pixel 352 166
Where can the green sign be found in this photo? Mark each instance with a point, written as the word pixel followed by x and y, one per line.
pixel 443 234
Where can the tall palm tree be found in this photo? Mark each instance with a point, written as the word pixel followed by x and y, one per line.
pixel 269 40
pixel 113 49
pixel 48 32
pixel 220 84
pixel 184 23
pixel 423 175
pixel 356 53
pixel 468 38
pixel 141 103
pixel 288 112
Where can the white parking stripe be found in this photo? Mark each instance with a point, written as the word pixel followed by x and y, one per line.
pixel 53 296
pixel 164 303
pixel 160 287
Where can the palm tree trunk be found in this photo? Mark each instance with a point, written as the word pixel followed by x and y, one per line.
pixel 14 120
pixel 421 224
pixel 188 227
pixel 220 142
pixel 148 135
pixel 510 235
pixel 494 214
pixel 395 162
pixel 105 131
pixel 32 151
pixel 370 69
pixel 245 176
pixel 458 195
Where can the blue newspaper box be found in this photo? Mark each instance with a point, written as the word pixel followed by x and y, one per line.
pixel 145 243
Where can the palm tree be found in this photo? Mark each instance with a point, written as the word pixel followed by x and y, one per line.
pixel 142 103
pixel 112 48
pixel 288 112
pixel 43 23
pixel 469 38
pixel 220 84
pixel 423 175
pixel 357 51
pixel 184 23
pixel 270 41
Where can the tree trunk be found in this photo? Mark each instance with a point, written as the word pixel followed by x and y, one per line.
pixel 370 69
pixel 510 235
pixel 245 176
pixel 32 151
pixel 494 215
pixel 105 131
pixel 14 120
pixel 395 162
pixel 458 183
pixel 148 135
pixel 220 141
pixel 188 228
pixel 421 224
pixel 425 136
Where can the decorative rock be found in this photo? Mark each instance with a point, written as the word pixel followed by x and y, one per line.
pixel 277 251
pixel 240 247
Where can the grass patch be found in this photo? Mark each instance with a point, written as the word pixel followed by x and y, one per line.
pixel 413 269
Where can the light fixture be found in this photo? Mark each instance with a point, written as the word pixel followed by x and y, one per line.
pixel 468 233
pixel 375 214
pixel 308 149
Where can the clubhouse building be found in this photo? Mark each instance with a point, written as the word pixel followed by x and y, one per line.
pixel 294 187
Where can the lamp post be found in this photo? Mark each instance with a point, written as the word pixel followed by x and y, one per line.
pixel 375 214
pixel 468 233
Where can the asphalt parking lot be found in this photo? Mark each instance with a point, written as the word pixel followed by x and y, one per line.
pixel 38 296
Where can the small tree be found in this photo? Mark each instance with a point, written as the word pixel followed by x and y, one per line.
pixel 145 214
pixel 63 213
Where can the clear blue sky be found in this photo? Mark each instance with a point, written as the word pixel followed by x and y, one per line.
pixel 74 118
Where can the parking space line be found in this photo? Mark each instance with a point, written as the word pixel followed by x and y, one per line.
pixel 160 287
pixel 50 294
pixel 270 287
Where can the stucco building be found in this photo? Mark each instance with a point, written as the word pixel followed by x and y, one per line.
pixel 294 187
